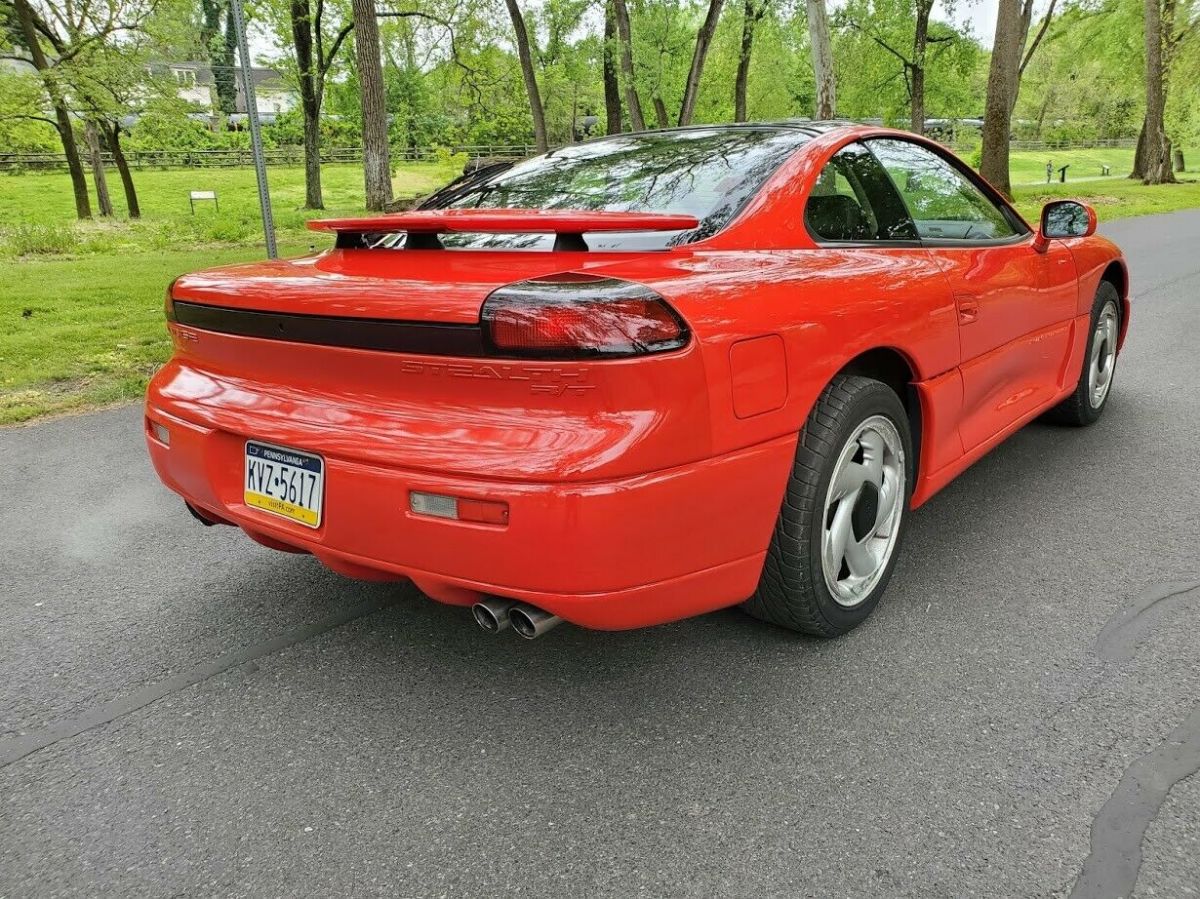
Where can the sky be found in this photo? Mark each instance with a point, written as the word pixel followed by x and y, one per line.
pixel 981 16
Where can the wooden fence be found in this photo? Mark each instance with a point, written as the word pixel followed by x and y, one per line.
pixel 238 158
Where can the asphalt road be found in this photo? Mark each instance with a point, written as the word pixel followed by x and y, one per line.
pixel 183 712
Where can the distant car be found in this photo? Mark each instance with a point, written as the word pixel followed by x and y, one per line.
pixel 639 378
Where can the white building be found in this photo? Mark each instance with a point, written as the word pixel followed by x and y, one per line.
pixel 196 85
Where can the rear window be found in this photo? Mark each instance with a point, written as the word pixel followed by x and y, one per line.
pixel 708 173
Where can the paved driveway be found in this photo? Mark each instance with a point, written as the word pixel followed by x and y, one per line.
pixel 183 712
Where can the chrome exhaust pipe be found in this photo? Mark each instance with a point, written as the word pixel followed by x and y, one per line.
pixel 530 621
pixel 491 614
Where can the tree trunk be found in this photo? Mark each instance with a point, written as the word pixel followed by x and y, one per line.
pixel 660 112
pixel 224 71
pixel 917 67
pixel 531 86
pixel 632 103
pixel 311 90
pixel 1001 89
pixel 917 100
pixel 704 38
pixel 112 133
pixel 25 18
pixel 749 19
pixel 1045 107
pixel 1026 21
pixel 1157 150
pixel 822 59
pixel 612 87
pixel 1139 155
pixel 313 195
pixel 96 160
pixel 377 167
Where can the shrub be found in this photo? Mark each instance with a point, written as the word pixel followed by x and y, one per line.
pixel 27 240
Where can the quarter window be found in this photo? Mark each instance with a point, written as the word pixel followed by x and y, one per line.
pixel 943 202
pixel 854 201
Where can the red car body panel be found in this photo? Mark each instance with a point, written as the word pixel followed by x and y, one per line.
pixel 641 489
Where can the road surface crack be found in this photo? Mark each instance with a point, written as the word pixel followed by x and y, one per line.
pixel 13 750
pixel 1112 866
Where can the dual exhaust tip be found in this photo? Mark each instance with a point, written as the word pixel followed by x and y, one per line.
pixel 494 615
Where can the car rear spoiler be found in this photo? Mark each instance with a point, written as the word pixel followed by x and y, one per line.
pixel 568 227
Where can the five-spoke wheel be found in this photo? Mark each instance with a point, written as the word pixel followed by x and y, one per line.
pixel 838 531
pixel 862 510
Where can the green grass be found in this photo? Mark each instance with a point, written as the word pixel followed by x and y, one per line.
pixel 96 335
pixel 81 304
pixel 1112 199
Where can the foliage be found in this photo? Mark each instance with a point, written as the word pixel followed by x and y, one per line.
pixel 169 123
pixel 23 124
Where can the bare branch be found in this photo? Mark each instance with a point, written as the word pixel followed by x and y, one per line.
pixel 1037 39
pixel 327 61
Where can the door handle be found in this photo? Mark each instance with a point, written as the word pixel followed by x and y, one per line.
pixel 968 309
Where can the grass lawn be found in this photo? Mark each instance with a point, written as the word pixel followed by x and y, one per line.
pixel 1028 167
pixel 81 305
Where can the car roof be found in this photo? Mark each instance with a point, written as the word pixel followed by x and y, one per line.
pixel 809 127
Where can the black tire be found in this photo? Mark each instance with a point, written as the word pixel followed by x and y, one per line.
pixel 793 591
pixel 1078 410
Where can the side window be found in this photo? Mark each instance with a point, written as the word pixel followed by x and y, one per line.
pixel 941 200
pixel 854 201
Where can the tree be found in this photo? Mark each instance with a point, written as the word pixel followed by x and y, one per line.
pixel 531 86
pixel 108 83
pixel 703 40
pixel 1013 18
pixel 1001 94
pixel 1154 147
pixel 313 63
pixel 612 86
pixel 632 103
pixel 752 12
pixel 96 160
pixel 82 37
pixel 219 42
pixel 377 166
pixel 32 31
pixel 1168 24
pixel 822 59
pixel 903 29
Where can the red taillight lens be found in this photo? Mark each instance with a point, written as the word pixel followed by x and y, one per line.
pixel 580 315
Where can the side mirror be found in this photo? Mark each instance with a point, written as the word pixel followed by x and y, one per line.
pixel 1065 218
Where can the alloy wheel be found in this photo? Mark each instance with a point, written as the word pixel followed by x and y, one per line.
pixel 863 509
pixel 1102 355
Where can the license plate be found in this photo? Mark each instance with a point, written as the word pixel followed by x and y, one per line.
pixel 285 482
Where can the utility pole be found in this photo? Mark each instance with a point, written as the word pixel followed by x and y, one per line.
pixel 256 145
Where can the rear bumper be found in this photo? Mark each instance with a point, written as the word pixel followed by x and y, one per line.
pixel 608 554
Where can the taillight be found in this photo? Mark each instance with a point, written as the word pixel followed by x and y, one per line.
pixel 574 315
pixel 169 302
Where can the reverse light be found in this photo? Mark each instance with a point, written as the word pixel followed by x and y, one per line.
pixel 160 432
pixel 575 315
pixel 457 508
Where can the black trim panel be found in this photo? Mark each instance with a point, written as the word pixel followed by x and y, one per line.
pixel 386 335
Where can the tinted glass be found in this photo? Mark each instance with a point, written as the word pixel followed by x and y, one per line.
pixel 942 201
pixel 854 200
pixel 708 173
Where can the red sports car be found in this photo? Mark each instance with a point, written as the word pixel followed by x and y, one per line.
pixel 639 378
